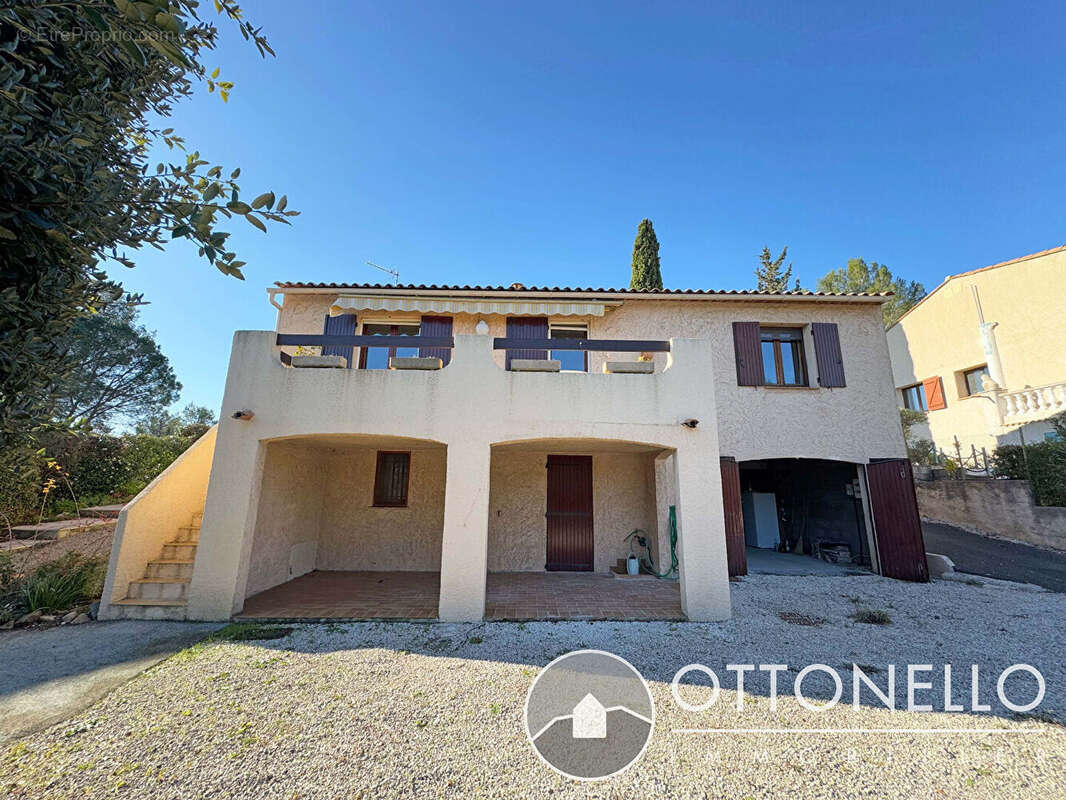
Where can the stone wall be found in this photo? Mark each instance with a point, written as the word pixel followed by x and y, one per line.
pixel 995 507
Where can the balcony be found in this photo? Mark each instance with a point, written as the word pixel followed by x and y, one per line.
pixel 458 386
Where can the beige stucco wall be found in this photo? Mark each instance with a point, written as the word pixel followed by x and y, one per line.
pixel 357 536
pixel 517 504
pixel 940 337
pixel 290 512
pixel 854 423
pixel 153 517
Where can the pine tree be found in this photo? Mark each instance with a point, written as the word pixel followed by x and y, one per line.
pixel 646 273
pixel 769 276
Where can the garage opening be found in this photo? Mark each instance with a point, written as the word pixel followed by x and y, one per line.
pixel 804 507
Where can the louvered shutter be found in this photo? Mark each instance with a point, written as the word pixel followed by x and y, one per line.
pixel 748 352
pixel 343 325
pixel 436 326
pixel 526 328
pixel 827 354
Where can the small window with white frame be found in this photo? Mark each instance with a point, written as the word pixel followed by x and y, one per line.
pixel 570 360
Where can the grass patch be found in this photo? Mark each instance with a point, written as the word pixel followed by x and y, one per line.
pixel 795 618
pixel 872 616
pixel 249 632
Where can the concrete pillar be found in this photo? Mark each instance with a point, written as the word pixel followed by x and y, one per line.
pixel 221 570
pixel 465 547
pixel 701 547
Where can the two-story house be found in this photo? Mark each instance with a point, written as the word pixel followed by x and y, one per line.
pixel 984 354
pixel 458 452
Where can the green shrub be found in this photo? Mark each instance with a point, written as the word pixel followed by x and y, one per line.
pixel 63 583
pixel 1047 462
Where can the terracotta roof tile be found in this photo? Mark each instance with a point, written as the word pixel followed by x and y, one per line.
pixel 348 287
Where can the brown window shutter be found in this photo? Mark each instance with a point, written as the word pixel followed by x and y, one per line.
pixel 341 325
pixel 526 328
pixel 827 354
pixel 735 548
pixel 748 351
pixel 436 326
pixel 934 394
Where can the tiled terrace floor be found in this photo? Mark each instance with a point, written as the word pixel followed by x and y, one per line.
pixel 510 595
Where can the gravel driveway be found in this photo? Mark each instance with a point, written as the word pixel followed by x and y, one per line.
pixel 436 710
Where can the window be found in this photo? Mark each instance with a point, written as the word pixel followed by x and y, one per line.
pixel 378 357
pixel 391 478
pixel 570 360
pixel 972 378
pixel 783 362
pixel 914 397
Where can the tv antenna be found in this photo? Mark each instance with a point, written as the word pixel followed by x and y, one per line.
pixel 395 275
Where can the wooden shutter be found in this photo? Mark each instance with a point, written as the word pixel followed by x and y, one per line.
pixel 827 354
pixel 898 528
pixel 343 325
pixel 748 350
pixel 934 394
pixel 526 328
pixel 736 554
pixel 436 326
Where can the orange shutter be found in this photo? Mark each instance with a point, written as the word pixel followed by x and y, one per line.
pixel 934 394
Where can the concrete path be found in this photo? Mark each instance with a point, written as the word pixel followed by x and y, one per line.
pixel 995 558
pixel 50 675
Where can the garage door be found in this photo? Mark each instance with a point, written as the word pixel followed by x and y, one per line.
pixel 898 528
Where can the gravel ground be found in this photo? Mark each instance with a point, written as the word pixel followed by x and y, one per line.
pixel 435 710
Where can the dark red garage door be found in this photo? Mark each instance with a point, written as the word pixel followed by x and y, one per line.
pixel 900 547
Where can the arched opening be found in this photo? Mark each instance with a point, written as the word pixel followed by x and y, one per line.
pixel 347 526
pixel 560 512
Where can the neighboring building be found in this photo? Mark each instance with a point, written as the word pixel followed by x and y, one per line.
pixel 522 432
pixel 985 354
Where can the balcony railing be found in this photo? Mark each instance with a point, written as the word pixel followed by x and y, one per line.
pixel 1031 405
pixel 448 343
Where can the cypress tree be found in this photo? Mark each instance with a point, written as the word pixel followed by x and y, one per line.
pixel 768 275
pixel 646 273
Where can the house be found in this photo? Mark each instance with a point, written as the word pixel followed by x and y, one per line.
pixel 454 452
pixel 984 354
pixel 589 719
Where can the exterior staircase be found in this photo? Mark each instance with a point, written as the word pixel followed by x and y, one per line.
pixel 166 580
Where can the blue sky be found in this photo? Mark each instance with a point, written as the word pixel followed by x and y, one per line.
pixel 502 142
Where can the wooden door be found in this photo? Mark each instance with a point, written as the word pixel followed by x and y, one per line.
pixel 569 516
pixel 898 528
pixel 736 554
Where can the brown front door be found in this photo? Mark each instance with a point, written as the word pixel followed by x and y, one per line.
pixel 569 517
pixel 898 528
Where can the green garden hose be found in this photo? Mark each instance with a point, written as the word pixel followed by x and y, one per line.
pixel 648 562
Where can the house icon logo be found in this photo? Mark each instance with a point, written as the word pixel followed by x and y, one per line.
pixel 589 715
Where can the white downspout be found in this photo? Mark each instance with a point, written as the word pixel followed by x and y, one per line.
pixel 270 295
pixel 988 342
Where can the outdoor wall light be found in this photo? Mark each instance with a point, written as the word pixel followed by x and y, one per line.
pixel 244 415
pixel 690 423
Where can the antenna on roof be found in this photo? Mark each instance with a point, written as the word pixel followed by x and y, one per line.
pixel 395 275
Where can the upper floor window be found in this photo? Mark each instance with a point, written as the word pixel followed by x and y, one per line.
pixel 783 361
pixel 378 357
pixel 570 360
pixel 972 379
pixel 914 397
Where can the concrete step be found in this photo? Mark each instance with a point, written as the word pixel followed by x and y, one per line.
pixel 178 551
pixel 197 518
pixel 188 533
pixel 104 512
pixel 159 589
pixel 169 568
